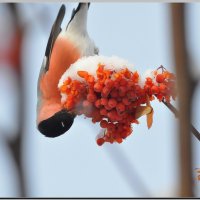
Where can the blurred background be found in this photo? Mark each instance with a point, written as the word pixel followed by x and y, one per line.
pixel 146 164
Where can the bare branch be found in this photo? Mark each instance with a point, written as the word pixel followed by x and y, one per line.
pixel 185 90
pixel 15 144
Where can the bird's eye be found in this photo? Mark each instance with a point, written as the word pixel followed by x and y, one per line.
pixel 96 51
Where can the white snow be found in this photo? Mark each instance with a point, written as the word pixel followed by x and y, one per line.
pixel 90 65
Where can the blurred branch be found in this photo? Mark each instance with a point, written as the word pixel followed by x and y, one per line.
pixel 185 85
pixel 15 144
pixel 175 111
pixel 128 171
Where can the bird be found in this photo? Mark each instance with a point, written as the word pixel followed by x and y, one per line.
pixel 64 47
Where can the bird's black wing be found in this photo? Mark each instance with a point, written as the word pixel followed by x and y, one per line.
pixel 55 30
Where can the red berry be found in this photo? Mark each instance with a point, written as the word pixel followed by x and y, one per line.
pixel 100 141
pixel 104 124
pixel 82 74
pixel 116 84
pixel 114 94
pixel 135 77
pixel 160 78
pixel 107 107
pixel 103 111
pixel 98 87
pixel 109 83
pixel 122 89
pixel 120 107
pixel 123 82
pixel 111 126
pixel 137 88
pixel 98 103
pixel 148 81
pixel 162 88
pixel 119 140
pixel 126 101
pixel 112 103
pixel 131 95
pixel 105 91
pixel 154 89
pixel 90 79
pixel 91 97
pixel 104 101
pixel 159 97
pixel 112 115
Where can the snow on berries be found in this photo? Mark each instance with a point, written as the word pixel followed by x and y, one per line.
pixel 114 97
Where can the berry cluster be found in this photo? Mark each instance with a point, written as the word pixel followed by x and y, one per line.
pixel 113 98
pixel 161 85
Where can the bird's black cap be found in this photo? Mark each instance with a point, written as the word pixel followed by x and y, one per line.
pixel 56 125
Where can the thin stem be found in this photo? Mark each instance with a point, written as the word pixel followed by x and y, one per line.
pixel 176 113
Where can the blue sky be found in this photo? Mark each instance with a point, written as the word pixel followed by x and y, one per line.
pixel 73 165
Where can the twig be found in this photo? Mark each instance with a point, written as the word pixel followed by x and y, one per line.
pixel 175 111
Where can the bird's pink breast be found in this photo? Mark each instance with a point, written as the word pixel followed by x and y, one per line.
pixel 64 54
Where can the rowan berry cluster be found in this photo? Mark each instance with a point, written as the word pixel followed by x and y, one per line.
pixel 112 98
pixel 161 85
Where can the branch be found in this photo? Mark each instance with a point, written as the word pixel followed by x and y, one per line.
pixel 176 113
pixel 15 144
pixel 185 86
